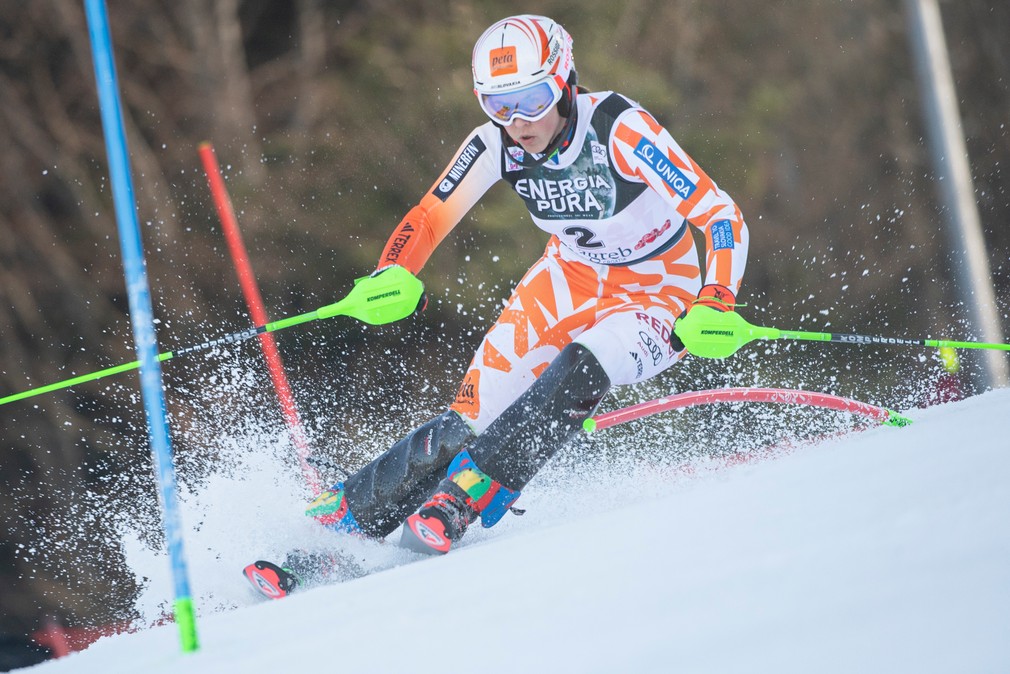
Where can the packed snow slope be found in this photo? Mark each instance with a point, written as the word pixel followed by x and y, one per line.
pixel 881 551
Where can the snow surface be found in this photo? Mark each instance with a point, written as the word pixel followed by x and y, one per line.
pixel 881 551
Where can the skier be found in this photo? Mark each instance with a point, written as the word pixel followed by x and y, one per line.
pixel 616 193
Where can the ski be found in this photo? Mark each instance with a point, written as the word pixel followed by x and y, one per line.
pixel 301 569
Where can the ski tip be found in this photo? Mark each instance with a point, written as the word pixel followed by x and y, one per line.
pixel 269 580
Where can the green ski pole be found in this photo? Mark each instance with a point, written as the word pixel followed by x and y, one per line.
pixel 387 297
pixel 710 333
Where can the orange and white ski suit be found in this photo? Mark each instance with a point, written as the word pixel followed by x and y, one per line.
pixel 620 265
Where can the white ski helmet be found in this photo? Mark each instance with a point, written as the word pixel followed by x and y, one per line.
pixel 522 67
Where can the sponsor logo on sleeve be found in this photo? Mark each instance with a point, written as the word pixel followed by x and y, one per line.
pixel 399 242
pixel 464 162
pixel 657 160
pixel 722 235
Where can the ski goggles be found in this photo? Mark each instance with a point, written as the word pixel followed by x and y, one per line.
pixel 532 103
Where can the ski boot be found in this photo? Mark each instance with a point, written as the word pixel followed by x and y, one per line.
pixel 461 497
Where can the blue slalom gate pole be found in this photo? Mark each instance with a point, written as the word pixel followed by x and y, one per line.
pixel 141 314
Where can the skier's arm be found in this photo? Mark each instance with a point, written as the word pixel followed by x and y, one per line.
pixel 643 150
pixel 472 171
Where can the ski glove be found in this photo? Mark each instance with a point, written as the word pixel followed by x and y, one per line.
pixel 389 294
pixel 422 302
pixel 713 296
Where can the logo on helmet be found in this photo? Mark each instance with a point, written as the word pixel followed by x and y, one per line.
pixel 555 50
pixel 503 61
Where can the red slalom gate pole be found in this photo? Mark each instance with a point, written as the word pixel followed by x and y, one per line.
pixel 254 301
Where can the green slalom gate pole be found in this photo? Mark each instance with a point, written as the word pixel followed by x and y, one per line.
pixel 710 333
pixel 388 297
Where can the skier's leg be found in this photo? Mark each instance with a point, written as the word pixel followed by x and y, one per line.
pixel 493 469
pixel 625 346
pixel 543 419
pixel 555 301
pixel 377 498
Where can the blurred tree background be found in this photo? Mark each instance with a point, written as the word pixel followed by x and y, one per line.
pixel 331 119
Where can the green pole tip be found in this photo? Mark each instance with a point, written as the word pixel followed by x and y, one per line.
pixel 185 618
pixel 897 420
pixel 589 425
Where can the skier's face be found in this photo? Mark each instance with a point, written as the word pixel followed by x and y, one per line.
pixel 535 136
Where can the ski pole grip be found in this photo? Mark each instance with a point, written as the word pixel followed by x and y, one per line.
pixel 710 333
pixel 386 296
